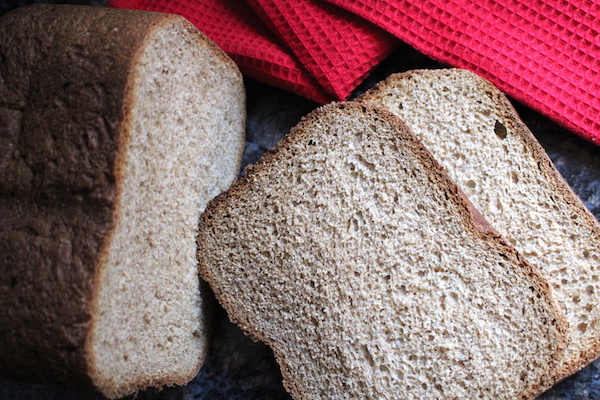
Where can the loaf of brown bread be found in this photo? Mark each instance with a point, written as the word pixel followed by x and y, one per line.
pixel 116 128
pixel 350 252
pixel 475 133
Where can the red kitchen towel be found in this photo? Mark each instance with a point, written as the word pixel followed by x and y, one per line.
pixel 544 53
pixel 337 47
pixel 238 30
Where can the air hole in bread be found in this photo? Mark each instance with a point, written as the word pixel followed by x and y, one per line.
pixel 514 176
pixel 589 290
pixel 500 130
pixel 589 307
pixel 586 254
pixel 368 356
pixel 573 238
pixel 523 376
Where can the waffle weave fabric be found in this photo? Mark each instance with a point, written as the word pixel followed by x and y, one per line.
pixel 545 54
pixel 337 47
pixel 238 30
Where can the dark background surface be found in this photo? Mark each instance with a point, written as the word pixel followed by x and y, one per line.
pixel 238 368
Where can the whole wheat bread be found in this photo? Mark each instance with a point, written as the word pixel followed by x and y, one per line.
pixel 349 251
pixel 116 128
pixel 476 134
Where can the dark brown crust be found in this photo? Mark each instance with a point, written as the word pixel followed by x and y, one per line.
pixel 282 151
pixel 545 165
pixel 64 76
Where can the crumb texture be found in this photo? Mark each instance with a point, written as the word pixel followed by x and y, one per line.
pixel 472 129
pixel 150 322
pixel 354 257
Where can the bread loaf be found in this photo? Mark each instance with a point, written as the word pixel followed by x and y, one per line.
pixel 475 133
pixel 348 250
pixel 116 128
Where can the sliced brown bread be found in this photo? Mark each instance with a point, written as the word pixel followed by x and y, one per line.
pixel 349 251
pixel 116 128
pixel 476 134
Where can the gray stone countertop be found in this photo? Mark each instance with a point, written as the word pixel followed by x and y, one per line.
pixel 237 367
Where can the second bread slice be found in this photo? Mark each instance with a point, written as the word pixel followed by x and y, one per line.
pixel 475 133
pixel 350 252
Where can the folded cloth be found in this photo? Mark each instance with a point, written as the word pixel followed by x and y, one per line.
pixel 238 30
pixel 545 53
pixel 337 47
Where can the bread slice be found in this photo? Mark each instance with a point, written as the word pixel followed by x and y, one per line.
pixel 116 128
pixel 348 250
pixel 475 133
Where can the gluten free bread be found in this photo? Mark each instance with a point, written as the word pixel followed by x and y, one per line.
pixel 475 133
pixel 348 250
pixel 116 128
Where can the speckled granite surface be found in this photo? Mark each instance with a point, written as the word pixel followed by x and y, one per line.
pixel 236 367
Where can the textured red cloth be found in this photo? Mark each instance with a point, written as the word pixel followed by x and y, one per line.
pixel 544 53
pixel 338 48
pixel 238 30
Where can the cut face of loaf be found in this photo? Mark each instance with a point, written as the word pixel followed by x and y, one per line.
pixel 475 133
pixel 350 252
pixel 116 129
